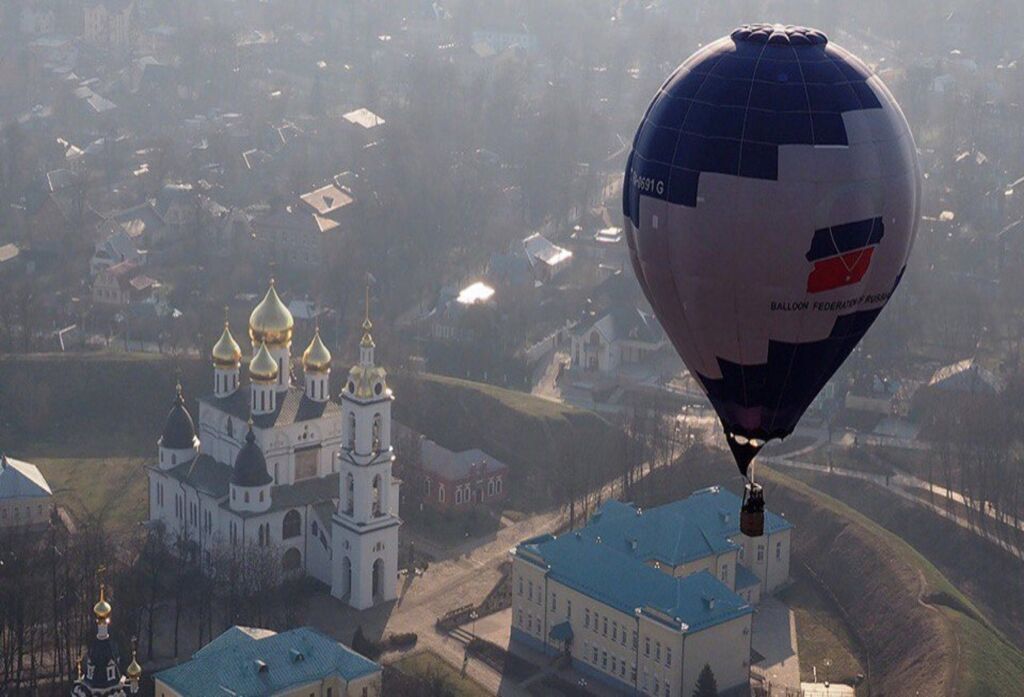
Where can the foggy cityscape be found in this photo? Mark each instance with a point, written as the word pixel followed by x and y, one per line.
pixel 513 347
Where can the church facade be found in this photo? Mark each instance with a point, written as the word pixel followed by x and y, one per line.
pixel 286 466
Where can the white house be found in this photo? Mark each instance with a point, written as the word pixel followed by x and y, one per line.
pixel 25 497
pixel 642 600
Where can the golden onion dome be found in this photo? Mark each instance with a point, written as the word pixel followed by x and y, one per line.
pixel 134 670
pixel 316 358
pixel 263 367
pixel 102 608
pixel 271 321
pixel 226 352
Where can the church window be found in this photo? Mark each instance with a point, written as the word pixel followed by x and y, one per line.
pixel 497 485
pixel 440 493
pixel 247 497
pixel 376 495
pixel 261 495
pixel 426 485
pixel 231 428
pixel 313 527
pixel 778 550
pixel 490 487
pixel 292 525
pixel 350 486
pixel 174 459
pixel 351 430
pixel 458 495
pixel 377 421
pixel 111 671
pixel 234 494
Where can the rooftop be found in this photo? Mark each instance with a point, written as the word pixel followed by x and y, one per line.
pixel 611 557
pixel 245 661
pixel 21 480
pixel 456 465
pixel 613 578
pixel 292 406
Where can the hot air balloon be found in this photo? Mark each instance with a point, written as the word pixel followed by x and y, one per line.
pixel 771 201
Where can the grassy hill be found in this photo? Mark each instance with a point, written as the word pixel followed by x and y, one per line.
pixel 540 440
pixel 917 631
pixel 91 422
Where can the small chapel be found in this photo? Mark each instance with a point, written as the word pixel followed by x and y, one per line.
pixel 282 463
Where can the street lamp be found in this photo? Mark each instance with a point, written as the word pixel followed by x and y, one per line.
pixel 473 615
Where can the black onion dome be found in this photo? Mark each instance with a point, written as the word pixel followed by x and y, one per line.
pixel 250 465
pixel 179 430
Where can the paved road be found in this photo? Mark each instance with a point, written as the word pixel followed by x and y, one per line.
pixel 908 488
pixel 774 636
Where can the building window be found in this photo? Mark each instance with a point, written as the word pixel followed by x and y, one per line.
pixel 291 526
pixel 595 655
pixel 377 423
pixel 247 497
pixel 778 550
pixel 586 618
pixel 520 585
pixel 668 656
pixel 568 609
pixel 725 572
pixel 520 619
pixel 530 591
pixel 440 493
pixel 604 626
pixel 760 552
pixel 497 485
pixel 615 631
pixel 647 646
pixel 657 651
pixel 554 602
pixel 351 430
pixel 604 660
pixel 377 496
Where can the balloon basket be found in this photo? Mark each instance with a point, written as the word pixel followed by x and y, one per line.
pixel 752 512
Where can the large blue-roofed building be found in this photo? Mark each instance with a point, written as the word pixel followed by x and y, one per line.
pixel 642 599
pixel 250 662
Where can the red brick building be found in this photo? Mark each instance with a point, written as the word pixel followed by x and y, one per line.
pixel 461 479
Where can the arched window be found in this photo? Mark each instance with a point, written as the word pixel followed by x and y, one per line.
pixel 350 490
pixel 440 493
pixel 458 495
pixel 291 560
pixel 497 485
pixel 376 496
pixel 377 421
pixel 292 525
pixel 351 430
pixel 247 497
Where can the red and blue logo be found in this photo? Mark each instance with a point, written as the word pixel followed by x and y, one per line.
pixel 842 254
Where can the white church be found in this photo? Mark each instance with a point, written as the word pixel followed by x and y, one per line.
pixel 286 466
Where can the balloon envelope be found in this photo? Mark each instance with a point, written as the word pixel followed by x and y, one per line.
pixel 771 202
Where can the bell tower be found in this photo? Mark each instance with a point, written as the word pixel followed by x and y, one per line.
pixel 365 532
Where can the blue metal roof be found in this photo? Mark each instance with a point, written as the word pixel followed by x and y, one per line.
pixel 692 528
pixel 248 665
pixel 611 576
